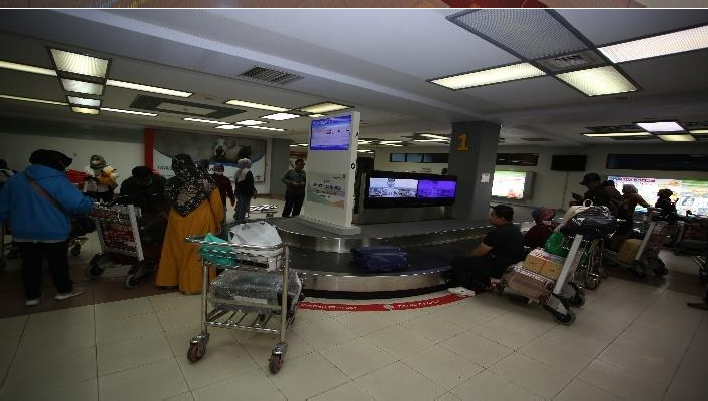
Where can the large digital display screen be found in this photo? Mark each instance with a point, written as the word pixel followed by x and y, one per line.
pixel 510 184
pixel 331 133
pixel 392 187
pixel 436 189
pixel 688 194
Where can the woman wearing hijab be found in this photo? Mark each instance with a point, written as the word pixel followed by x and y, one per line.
pixel 38 204
pixel 665 203
pixel 196 210
pixel 537 236
pixel 245 189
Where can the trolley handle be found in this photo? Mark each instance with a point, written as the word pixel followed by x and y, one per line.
pixel 199 239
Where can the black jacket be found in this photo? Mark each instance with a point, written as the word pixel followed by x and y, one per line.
pixel 150 199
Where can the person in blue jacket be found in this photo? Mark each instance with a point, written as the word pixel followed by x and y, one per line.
pixel 37 205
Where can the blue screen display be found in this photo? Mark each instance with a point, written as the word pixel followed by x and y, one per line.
pixel 331 133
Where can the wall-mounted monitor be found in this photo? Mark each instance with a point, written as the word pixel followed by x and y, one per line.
pixel 513 184
pixel 436 188
pixel 331 133
pixel 568 162
pixel 390 189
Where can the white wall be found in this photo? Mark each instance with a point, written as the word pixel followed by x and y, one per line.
pixel 553 188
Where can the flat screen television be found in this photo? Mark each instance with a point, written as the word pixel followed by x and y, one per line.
pixel 568 162
pixel 390 189
pixel 331 133
pixel 512 184
pixel 437 188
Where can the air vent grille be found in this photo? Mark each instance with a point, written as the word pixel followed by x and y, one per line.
pixel 271 76
pixel 615 128
pixel 572 61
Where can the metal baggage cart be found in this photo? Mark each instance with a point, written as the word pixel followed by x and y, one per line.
pixel 118 233
pixel 655 234
pixel 257 315
pixel 692 235
pixel 566 293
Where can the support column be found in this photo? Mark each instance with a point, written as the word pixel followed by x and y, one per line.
pixel 473 157
pixel 279 164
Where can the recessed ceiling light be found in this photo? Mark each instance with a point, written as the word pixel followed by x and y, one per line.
pixel 147 88
pixel 388 142
pixel 617 134
pixel 660 45
pixel 228 126
pixel 440 137
pixel 677 138
pixel 255 105
pixel 662 126
pixel 72 85
pixel 316 115
pixel 84 110
pixel 324 107
pixel 250 122
pixel 79 63
pixel 29 99
pixel 430 140
pixel 363 150
pixel 82 101
pixel 302 144
pixel 140 113
pixel 363 142
pixel 201 120
pixel 27 68
pixel 281 116
pixel 598 81
pixel 266 128
pixel 294 146
pixel 699 131
pixel 491 76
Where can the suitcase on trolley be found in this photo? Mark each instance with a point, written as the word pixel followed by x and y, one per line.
pixel 380 259
pixel 528 283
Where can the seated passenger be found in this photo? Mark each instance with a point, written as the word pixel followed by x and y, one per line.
pixel 537 236
pixel 146 190
pixel 502 247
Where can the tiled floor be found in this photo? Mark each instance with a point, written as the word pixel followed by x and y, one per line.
pixel 630 341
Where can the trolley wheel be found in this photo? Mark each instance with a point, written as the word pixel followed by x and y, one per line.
pixel 276 362
pixel 638 269
pixel 93 271
pixel 591 283
pixel 132 281
pixel 659 268
pixel 565 319
pixel 577 300
pixel 195 352
pixel 75 250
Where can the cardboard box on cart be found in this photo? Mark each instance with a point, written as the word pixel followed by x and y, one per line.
pixel 544 263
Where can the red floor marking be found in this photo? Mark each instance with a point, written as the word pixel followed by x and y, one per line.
pixel 426 303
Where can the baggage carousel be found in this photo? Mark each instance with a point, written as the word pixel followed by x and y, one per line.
pixel 324 262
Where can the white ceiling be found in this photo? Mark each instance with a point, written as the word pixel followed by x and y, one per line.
pixel 376 60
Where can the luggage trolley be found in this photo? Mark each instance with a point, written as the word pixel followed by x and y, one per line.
pixel 118 233
pixel 556 297
pixel 268 210
pixel 692 235
pixel 655 234
pixel 243 312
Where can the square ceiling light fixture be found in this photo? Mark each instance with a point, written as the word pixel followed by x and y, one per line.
pixel 29 99
pixel 677 138
pixel 436 137
pixel 147 88
pixel 201 120
pixel 656 46
pixel 84 110
pixel 82 101
pixel 699 131
pixel 252 105
pixel 324 107
pixel 89 88
pixel 616 134
pixel 316 115
pixel 75 63
pixel 27 68
pixel 266 128
pixel 661 126
pixel 139 113
pixel 492 76
pixel 281 116
pixel 598 81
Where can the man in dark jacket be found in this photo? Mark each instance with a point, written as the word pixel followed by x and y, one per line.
pixel 601 193
pixel 294 180
pixel 146 190
pixel 37 204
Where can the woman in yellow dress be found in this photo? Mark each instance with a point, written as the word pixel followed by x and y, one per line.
pixel 196 210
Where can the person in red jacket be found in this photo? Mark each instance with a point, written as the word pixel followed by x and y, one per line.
pixel 537 236
pixel 224 184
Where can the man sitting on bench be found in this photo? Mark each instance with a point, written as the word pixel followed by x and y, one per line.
pixel 502 247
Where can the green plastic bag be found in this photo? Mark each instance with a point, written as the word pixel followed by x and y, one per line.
pixel 216 254
pixel 554 245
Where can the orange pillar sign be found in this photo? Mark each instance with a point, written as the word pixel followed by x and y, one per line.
pixel 462 142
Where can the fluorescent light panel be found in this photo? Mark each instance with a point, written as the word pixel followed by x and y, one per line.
pixel 617 134
pixel 388 142
pixel 140 113
pixel 440 137
pixel 281 116
pixel 27 68
pixel 147 88
pixel 324 107
pixel 84 110
pixel 363 150
pixel 250 122
pixel 677 138
pixel 228 126
pixel 699 131
pixel 660 45
pixel 598 81
pixel 430 140
pixel 266 128
pixel 82 101
pixel 661 126
pixel 201 120
pixel 252 105
pixel 79 63
pixel 89 88
pixel 316 115
pixel 491 76
pixel 302 144
pixel 29 99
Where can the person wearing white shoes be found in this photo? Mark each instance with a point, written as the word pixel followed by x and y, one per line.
pixel 38 204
